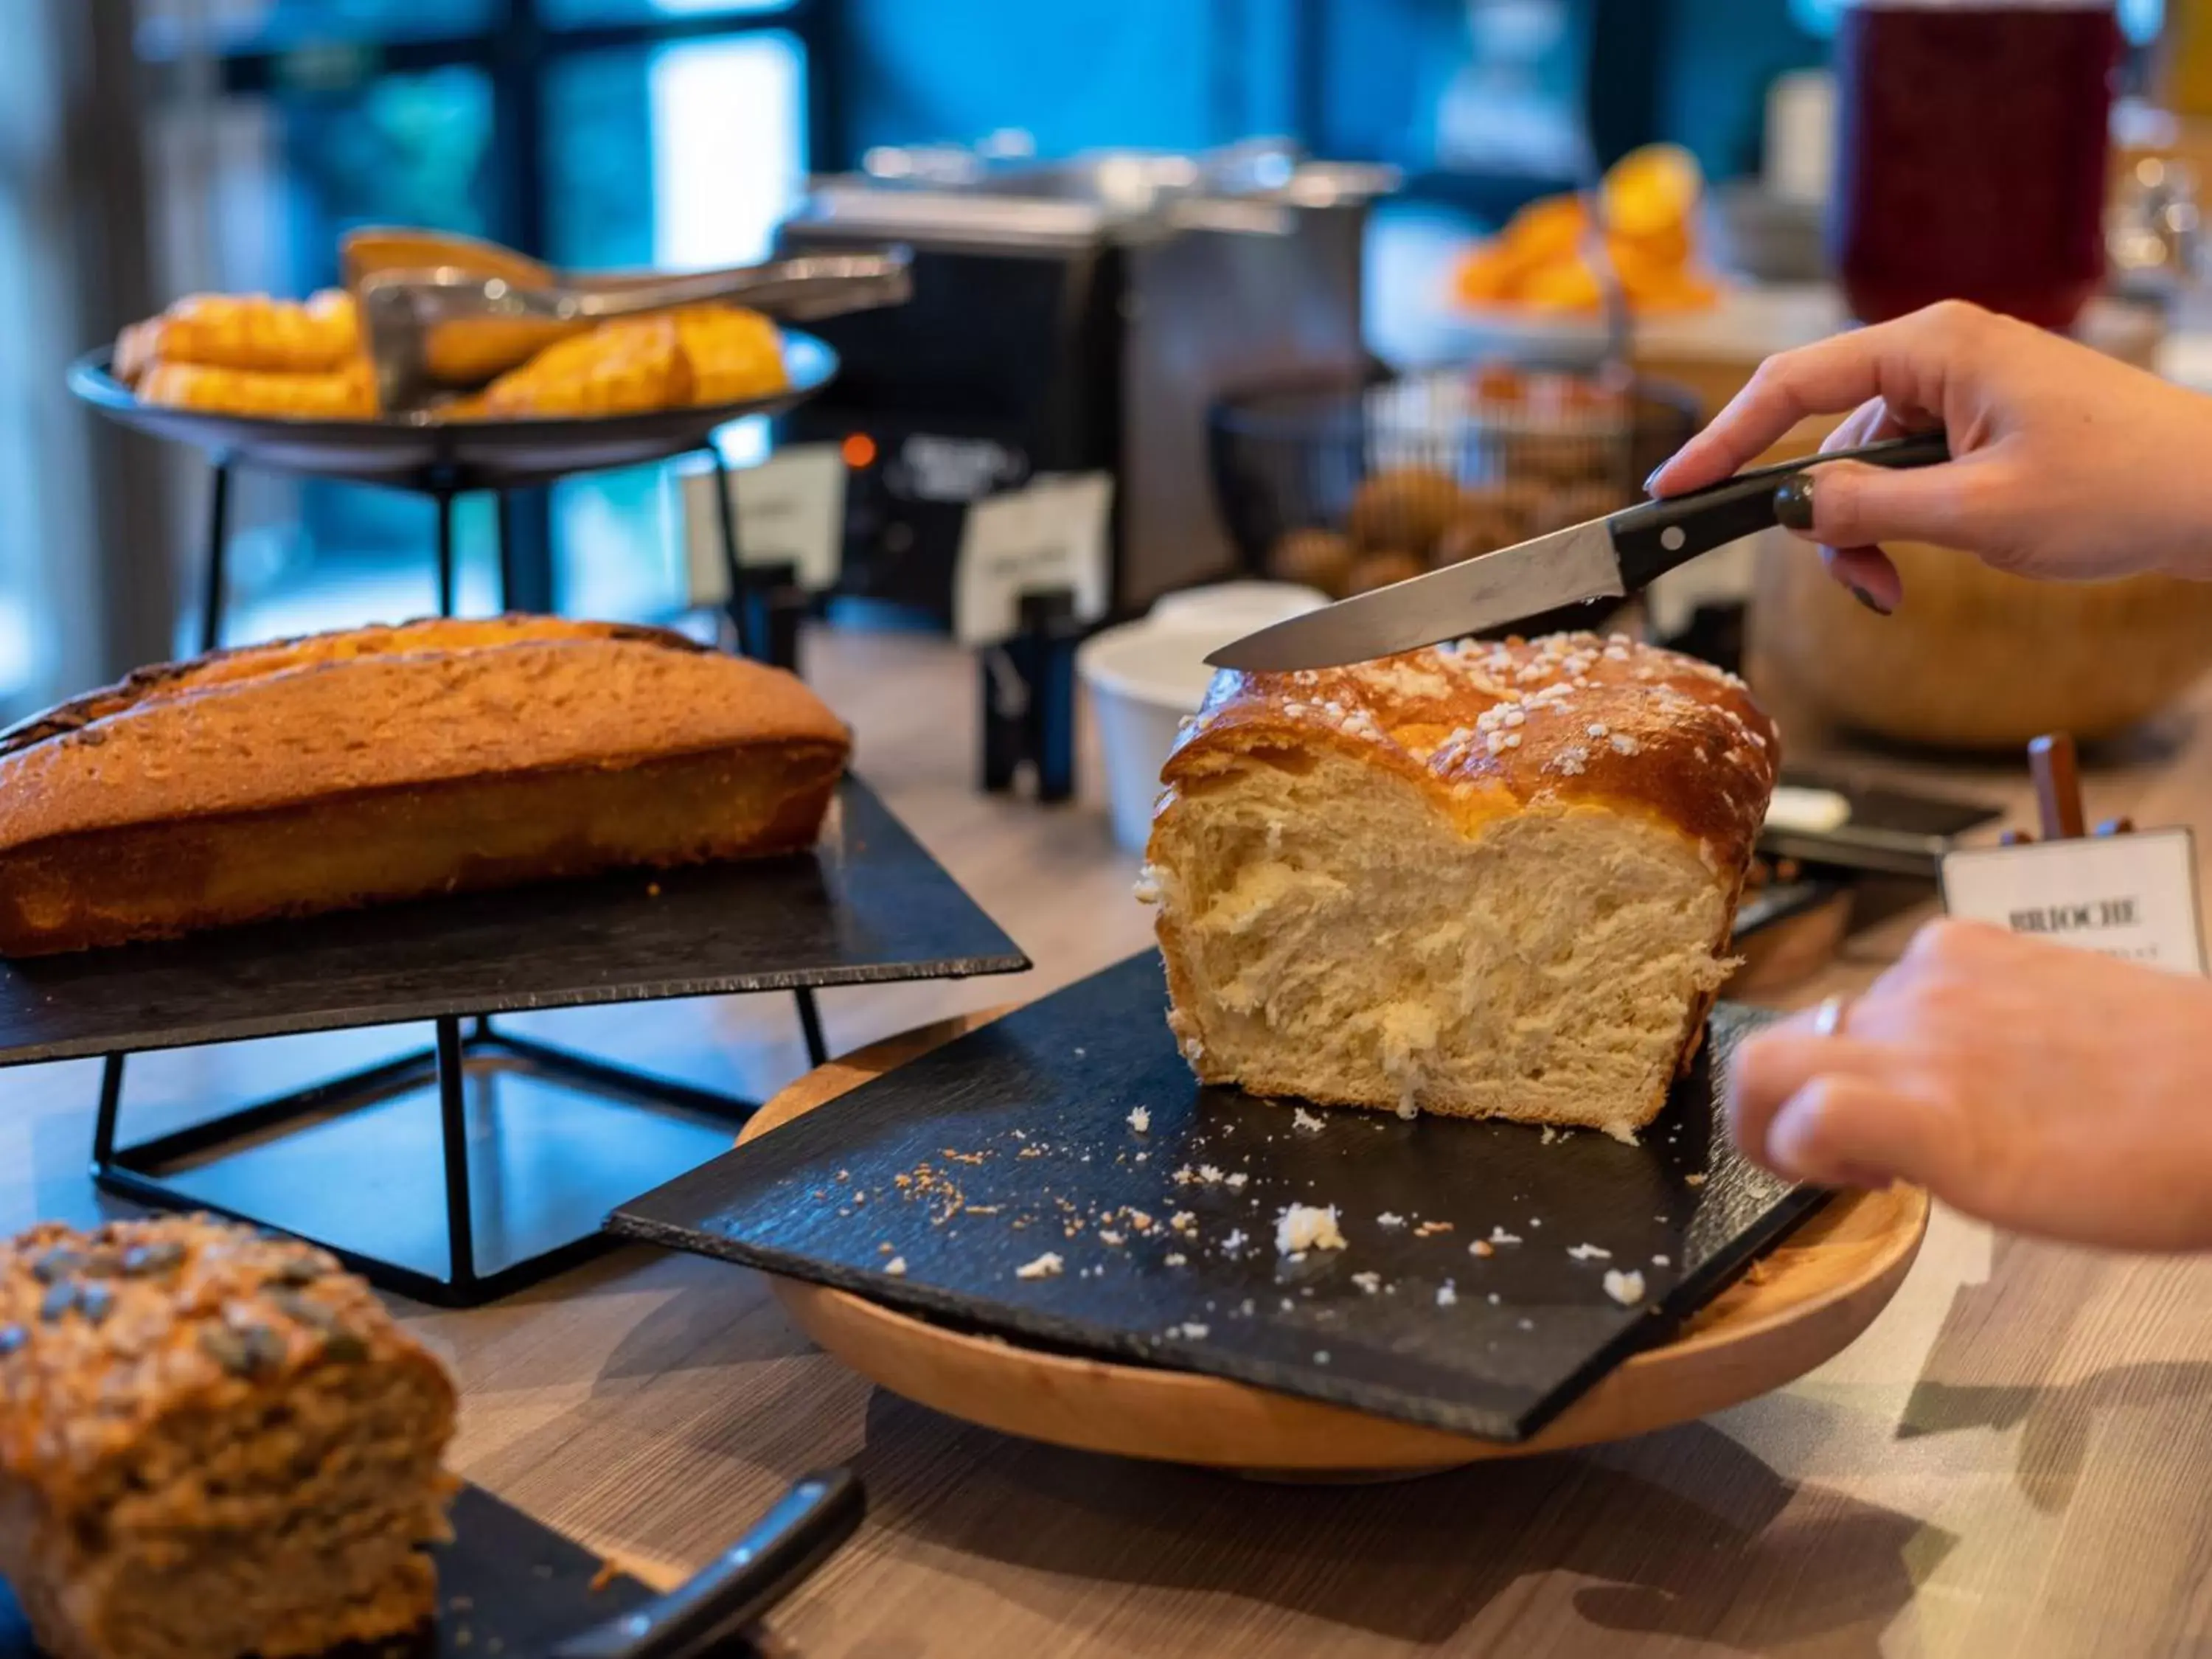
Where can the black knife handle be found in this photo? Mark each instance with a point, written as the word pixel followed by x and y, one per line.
pixel 807 1525
pixel 1653 538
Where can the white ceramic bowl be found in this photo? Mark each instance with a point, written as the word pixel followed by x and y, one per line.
pixel 1144 677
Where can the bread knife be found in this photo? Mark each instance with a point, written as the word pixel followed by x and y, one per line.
pixel 807 1525
pixel 1606 558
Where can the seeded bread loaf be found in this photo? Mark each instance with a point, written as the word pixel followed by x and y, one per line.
pixel 386 763
pixel 1482 880
pixel 214 1443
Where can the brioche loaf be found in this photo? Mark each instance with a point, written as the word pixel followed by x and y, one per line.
pixel 214 1445
pixel 394 762
pixel 1481 880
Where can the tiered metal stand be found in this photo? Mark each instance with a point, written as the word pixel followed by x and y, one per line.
pixel 465 1171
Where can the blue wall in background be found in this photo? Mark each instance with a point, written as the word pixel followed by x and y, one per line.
pixel 1076 74
pixel 1719 59
pixel 1181 74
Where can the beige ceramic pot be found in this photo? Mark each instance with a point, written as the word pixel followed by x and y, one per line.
pixel 1973 658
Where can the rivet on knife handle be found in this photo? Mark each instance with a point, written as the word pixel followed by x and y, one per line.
pixel 1654 537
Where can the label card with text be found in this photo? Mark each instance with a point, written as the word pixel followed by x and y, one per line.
pixel 1051 533
pixel 2132 897
pixel 790 510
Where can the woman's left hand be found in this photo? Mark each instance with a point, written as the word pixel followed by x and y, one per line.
pixel 2044 1089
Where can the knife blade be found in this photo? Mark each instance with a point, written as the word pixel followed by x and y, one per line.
pixel 1605 558
pixel 819 1513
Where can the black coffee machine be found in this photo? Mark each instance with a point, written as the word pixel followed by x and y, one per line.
pixel 1074 316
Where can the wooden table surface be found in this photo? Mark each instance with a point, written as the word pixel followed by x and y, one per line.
pixel 2014 1461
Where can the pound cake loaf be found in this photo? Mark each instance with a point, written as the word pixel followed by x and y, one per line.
pixel 214 1443
pixel 1484 880
pixel 386 763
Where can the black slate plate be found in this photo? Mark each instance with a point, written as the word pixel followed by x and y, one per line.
pixel 476 455
pixel 867 905
pixel 507 1588
pixel 1029 1115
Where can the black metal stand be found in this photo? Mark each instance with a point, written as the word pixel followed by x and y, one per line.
pixel 160 1172
pixel 206 1167
pixel 1029 699
pixel 766 605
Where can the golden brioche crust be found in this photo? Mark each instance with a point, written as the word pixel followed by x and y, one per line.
pixel 1486 731
pixel 1492 728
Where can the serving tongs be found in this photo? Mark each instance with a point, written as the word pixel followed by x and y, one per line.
pixel 446 329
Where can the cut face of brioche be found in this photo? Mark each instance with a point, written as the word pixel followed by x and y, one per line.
pixel 1365 900
pixel 1353 947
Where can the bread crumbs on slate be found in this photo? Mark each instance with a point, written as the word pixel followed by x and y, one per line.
pixel 1626 1288
pixel 1303 1227
pixel 1047 1266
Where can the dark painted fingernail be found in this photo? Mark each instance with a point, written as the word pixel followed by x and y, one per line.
pixel 1868 599
pixel 1793 502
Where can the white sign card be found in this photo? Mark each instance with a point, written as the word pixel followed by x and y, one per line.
pixel 790 510
pixel 2132 897
pixel 1051 533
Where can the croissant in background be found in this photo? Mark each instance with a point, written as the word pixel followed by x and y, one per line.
pixel 700 355
pixel 618 368
pixel 348 393
pixel 734 354
pixel 245 331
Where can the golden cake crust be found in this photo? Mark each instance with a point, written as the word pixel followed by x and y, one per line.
pixel 386 763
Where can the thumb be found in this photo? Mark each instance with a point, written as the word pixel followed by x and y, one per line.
pixel 1852 504
pixel 1843 1129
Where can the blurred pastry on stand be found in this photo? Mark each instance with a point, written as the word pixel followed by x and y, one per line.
pixel 1546 259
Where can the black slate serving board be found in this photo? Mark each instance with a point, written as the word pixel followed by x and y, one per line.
pixel 868 904
pixel 1028 1118
pixel 507 1588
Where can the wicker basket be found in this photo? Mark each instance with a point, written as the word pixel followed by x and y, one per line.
pixel 1346 484
pixel 1975 659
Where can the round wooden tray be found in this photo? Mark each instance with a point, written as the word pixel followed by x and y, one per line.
pixel 1803 1303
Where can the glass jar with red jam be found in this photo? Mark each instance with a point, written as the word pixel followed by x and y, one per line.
pixel 1972 154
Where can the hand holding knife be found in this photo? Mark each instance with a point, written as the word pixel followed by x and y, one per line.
pixel 1608 558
